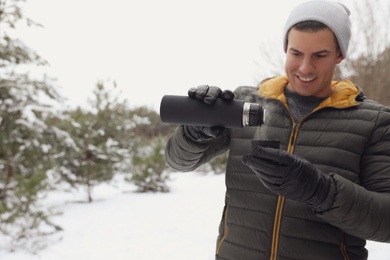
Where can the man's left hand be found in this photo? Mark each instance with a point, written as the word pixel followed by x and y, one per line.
pixel 290 176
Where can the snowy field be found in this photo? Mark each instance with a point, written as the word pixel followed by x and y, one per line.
pixel 123 225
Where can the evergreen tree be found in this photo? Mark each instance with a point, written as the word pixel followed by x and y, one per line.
pixel 218 164
pixel 149 171
pixel 99 150
pixel 26 103
pixel 153 126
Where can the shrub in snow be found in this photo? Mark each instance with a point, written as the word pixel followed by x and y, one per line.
pixel 149 170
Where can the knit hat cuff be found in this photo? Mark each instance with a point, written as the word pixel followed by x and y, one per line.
pixel 333 14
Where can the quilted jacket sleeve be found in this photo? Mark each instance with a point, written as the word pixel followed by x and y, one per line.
pixel 184 155
pixel 363 210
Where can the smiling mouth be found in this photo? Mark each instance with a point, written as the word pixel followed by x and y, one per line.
pixel 306 79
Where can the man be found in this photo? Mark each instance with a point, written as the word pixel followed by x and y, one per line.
pixel 327 189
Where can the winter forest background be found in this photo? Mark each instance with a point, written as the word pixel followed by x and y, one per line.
pixel 46 147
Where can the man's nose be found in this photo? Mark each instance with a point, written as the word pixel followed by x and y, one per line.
pixel 307 65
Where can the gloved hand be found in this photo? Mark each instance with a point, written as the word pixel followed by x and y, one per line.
pixel 290 176
pixel 208 94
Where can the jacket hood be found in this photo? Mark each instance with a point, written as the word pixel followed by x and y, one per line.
pixel 345 93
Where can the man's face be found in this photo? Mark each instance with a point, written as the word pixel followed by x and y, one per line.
pixel 311 58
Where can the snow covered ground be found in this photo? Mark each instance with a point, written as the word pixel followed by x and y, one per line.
pixel 123 225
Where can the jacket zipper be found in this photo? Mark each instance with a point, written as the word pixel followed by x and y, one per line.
pixel 280 204
pixel 293 137
pixel 276 231
pixel 343 247
pixel 224 230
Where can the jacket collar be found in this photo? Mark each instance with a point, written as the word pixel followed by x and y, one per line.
pixel 345 93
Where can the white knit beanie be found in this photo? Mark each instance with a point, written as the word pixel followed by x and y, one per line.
pixel 333 14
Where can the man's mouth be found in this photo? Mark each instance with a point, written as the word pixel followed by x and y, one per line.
pixel 306 79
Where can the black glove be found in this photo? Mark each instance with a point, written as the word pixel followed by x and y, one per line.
pixel 290 176
pixel 208 94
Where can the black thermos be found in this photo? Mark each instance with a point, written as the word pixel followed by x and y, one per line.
pixel 185 110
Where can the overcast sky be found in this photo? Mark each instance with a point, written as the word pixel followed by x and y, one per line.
pixel 152 48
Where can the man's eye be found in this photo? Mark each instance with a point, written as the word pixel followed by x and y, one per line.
pixel 321 55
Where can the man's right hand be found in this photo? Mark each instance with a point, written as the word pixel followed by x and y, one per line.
pixel 208 94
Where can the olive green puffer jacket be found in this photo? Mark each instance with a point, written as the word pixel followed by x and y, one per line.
pixel 347 136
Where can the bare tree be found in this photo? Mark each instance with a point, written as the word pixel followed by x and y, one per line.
pixel 271 60
pixel 368 63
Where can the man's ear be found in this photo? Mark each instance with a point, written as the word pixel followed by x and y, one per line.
pixel 340 57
